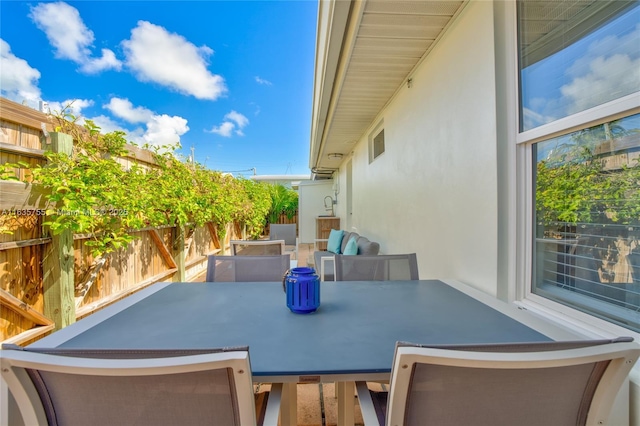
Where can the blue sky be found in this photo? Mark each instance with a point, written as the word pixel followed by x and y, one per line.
pixel 232 79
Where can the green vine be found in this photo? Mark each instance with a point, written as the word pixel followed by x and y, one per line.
pixel 91 192
pixel 259 204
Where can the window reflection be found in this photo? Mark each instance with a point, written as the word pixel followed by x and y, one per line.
pixel 575 55
pixel 587 216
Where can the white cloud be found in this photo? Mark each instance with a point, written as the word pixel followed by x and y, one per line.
pixel 165 130
pixel 156 130
pixel 124 109
pixel 225 129
pixel 72 106
pixel 156 55
pixel 606 47
pixel 64 29
pixel 239 119
pixel 609 69
pixel 18 80
pixel 260 80
pixel 608 78
pixel 107 124
pixel 106 61
pixel 233 121
pixel 70 37
pixel 533 119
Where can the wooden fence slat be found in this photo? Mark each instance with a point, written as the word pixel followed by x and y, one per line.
pixel 17 113
pixel 24 243
pixel 20 195
pixel 88 309
pixel 12 302
pixel 164 251
pixel 214 235
pixel 91 276
pixel 29 335
pixel 25 152
pixel 139 154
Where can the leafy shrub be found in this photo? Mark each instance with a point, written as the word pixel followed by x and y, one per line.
pixel 91 192
pixel 284 201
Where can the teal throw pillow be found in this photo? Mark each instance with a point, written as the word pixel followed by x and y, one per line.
pixel 351 248
pixel 335 241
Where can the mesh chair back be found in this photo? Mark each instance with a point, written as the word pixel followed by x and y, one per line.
pixel 247 268
pixel 116 387
pixel 257 247
pixel 532 384
pixel 390 267
pixel 286 232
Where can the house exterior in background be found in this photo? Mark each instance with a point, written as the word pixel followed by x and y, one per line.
pixel 311 196
pixel 288 181
pixel 450 126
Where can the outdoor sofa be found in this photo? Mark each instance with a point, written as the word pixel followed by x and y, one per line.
pixel 340 243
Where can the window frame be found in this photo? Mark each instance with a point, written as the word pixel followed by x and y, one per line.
pixel 572 318
pixel 372 136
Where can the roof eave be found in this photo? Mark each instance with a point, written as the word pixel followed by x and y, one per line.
pixel 333 20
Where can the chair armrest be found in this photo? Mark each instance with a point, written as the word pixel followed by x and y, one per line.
pixel 369 415
pixel 273 405
pixel 322 267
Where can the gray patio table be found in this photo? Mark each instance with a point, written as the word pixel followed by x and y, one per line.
pixel 351 337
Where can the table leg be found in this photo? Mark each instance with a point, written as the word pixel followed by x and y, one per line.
pixel 346 403
pixel 289 408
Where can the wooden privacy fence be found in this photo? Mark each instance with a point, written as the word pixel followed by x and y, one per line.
pixel 284 220
pixel 47 282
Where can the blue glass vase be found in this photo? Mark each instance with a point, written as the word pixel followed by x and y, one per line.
pixel 302 286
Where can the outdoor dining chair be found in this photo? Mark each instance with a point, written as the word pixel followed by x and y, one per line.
pixel 257 247
pixel 286 232
pixel 154 387
pixel 549 383
pixel 384 267
pixel 247 268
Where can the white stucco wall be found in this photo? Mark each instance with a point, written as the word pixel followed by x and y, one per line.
pixel 434 190
pixel 311 205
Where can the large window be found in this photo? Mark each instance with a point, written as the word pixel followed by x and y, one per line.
pixel 577 59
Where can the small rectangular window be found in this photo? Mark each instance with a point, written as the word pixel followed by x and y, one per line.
pixel 376 144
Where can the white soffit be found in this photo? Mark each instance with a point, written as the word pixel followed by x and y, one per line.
pixel 392 37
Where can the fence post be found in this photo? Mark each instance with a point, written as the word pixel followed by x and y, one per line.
pixel 58 261
pixel 179 254
pixel 226 241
